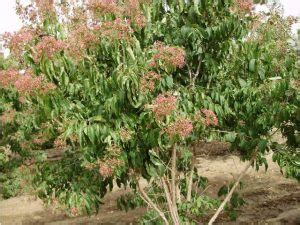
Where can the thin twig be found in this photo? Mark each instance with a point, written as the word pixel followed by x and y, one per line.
pixel 228 196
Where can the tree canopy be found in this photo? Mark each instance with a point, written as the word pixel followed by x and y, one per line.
pixel 116 86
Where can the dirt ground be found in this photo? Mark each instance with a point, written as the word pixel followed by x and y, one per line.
pixel 271 198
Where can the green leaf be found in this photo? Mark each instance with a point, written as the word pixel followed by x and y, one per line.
pixel 181 5
pixel 252 65
pixel 223 191
pixel 261 73
pixel 196 6
pixel 129 50
pixel 262 145
pixel 230 137
pixel 97 118
pixel 242 82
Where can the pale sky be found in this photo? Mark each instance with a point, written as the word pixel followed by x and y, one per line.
pixel 9 21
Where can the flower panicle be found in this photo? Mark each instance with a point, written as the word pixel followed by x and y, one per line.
pixel 147 82
pixel 181 127
pixel 169 55
pixel 48 47
pixel 164 105
pixel 210 118
pixel 245 5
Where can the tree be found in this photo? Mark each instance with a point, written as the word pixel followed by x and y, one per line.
pixel 126 89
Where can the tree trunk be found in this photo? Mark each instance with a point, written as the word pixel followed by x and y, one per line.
pixel 190 178
pixel 190 182
pixel 174 214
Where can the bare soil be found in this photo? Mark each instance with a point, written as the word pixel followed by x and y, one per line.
pixel 271 198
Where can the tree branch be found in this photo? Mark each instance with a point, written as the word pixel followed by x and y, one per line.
pixel 147 199
pixel 173 174
pixel 228 196
pixel 190 179
pixel 190 182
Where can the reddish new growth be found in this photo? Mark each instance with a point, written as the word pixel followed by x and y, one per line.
pixel 164 105
pixel 210 118
pixel 182 127
pixel 169 56
pixel 17 41
pixel 48 47
pixel 245 5
pixel 102 7
pixel 8 77
pixel 148 81
pixel 117 29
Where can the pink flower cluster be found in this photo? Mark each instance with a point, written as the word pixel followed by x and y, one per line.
pixel 39 139
pixel 29 84
pixel 45 7
pixel 28 14
pixel 8 77
pixel 49 46
pixel 74 211
pixel 107 167
pixel 102 7
pixel 105 170
pixel 117 29
pixel 169 56
pixel 164 105
pixel 132 10
pixel 26 83
pixel 210 118
pixel 79 40
pixel 140 20
pixel 125 134
pixel 8 116
pixel 245 5
pixel 18 41
pixel 34 11
pixel 114 150
pixel 25 145
pixel 182 127
pixel 131 7
pixel 148 81
pixel 59 143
